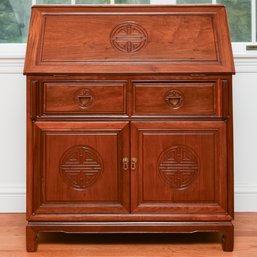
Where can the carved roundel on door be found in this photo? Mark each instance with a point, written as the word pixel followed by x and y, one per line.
pixel 84 98
pixel 178 166
pixel 81 166
pixel 128 37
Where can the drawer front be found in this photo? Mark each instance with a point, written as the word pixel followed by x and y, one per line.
pixel 106 97
pixel 175 98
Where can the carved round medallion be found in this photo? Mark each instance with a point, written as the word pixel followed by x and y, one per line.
pixel 81 166
pixel 128 37
pixel 174 99
pixel 84 98
pixel 178 166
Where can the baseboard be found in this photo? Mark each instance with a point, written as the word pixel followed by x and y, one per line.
pixel 246 198
pixel 13 198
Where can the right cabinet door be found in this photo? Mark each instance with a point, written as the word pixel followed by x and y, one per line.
pixel 181 167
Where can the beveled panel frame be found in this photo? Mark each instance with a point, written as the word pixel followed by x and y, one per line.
pixel 37 62
pixel 217 203
pixel 44 206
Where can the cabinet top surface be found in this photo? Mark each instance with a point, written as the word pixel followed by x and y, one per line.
pixel 129 39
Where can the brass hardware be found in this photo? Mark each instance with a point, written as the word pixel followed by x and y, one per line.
pixel 133 163
pixel 125 162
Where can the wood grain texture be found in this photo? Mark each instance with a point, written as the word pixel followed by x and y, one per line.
pixel 175 98
pixel 69 182
pixel 82 41
pixel 84 97
pixel 182 167
pixel 13 237
pixel 196 43
pixel 129 121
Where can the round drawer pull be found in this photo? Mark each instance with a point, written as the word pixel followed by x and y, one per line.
pixel 174 99
pixel 84 98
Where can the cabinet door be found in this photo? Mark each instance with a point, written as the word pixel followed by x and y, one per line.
pixel 78 168
pixel 181 167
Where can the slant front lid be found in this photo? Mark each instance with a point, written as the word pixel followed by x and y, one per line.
pixel 129 39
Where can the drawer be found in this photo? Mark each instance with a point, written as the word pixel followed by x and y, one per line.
pixel 86 97
pixel 186 98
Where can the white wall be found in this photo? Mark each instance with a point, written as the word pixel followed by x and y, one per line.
pixel 12 135
pixel 12 142
pixel 245 141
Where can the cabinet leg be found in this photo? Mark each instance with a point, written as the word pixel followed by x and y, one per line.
pixel 31 239
pixel 228 239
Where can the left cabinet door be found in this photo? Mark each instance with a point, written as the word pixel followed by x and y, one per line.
pixel 78 169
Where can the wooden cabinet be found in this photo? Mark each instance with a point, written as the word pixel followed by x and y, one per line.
pixel 129 120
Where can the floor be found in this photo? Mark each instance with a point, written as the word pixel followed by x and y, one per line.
pixel 12 242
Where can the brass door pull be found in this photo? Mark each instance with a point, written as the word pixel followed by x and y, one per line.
pixel 133 163
pixel 125 162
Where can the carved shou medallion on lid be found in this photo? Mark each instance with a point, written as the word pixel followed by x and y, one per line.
pixel 128 37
